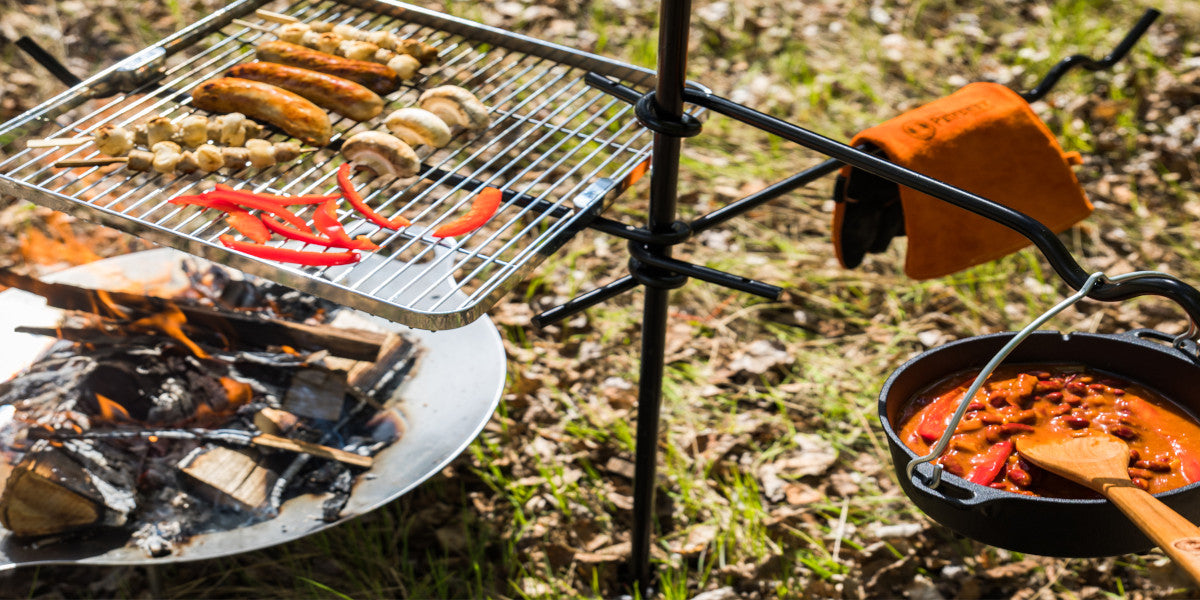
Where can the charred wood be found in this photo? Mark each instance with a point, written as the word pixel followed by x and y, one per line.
pixel 239 328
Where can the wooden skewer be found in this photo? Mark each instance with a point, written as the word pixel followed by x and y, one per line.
pixel 276 17
pixel 350 458
pixel 57 142
pixel 90 162
pixel 256 26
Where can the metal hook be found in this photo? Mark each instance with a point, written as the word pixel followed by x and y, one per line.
pixel 952 425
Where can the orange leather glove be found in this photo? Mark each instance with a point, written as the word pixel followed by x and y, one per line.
pixel 983 138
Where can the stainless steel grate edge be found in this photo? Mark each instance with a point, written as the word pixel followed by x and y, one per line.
pixel 560 149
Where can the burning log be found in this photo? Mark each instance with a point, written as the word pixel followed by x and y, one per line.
pixel 260 331
pixel 58 489
pixel 236 474
pixel 234 437
pixel 158 419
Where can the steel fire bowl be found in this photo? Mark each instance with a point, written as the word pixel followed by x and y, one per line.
pixel 1034 525
pixel 446 401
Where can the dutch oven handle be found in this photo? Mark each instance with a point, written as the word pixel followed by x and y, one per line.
pixel 1184 343
pixel 975 497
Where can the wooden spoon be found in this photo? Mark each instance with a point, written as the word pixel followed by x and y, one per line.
pixel 1100 462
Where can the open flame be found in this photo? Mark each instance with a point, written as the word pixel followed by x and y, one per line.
pixel 111 410
pixel 62 245
pixel 170 322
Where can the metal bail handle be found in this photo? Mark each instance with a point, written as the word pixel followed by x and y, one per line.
pixel 1092 280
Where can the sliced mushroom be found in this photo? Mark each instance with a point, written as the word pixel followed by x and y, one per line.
pixel 404 65
pixel 113 140
pixel 456 106
pixel 417 127
pixel 235 158
pixel 209 158
pixel 159 129
pixel 384 154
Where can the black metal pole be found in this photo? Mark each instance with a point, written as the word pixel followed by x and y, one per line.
pixel 673 25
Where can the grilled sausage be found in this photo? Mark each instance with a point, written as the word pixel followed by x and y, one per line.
pixel 333 93
pixel 287 111
pixel 375 77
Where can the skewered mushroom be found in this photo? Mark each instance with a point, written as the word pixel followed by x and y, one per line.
pixel 165 162
pixel 113 140
pixel 384 154
pixel 417 126
pixel 159 129
pixel 140 160
pixel 166 146
pixel 193 130
pixel 456 106
pixel 234 157
pixel 285 151
pixel 262 153
pixel 230 129
pixel 404 65
pixel 187 162
pixel 356 50
pixel 292 32
pixel 209 158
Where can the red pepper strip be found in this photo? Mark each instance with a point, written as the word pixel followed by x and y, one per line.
pixel 316 259
pixel 247 225
pixel 933 423
pixel 326 222
pixel 286 200
pixel 268 206
pixel 235 216
pixel 991 465
pixel 221 200
pixel 300 235
pixel 482 208
pixel 348 191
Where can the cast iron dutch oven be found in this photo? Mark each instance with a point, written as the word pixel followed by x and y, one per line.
pixel 1045 526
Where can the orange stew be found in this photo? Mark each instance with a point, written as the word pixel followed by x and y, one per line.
pixel 1052 402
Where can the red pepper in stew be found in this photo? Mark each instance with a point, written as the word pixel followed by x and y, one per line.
pixel 483 207
pixel 992 463
pixel 360 205
pixel 303 257
pixel 326 221
pixel 934 418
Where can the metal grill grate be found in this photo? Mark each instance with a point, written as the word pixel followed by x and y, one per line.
pixel 558 148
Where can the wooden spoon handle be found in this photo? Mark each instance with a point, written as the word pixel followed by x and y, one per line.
pixel 1177 536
